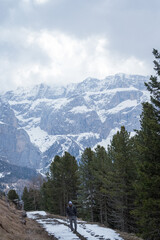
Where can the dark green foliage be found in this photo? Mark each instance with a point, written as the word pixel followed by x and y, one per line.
pixel 106 191
pixel 121 153
pixel 25 198
pixel 87 188
pixel 62 184
pixel 154 85
pixel 148 182
pixel 148 165
pixel 102 168
pixel 12 195
pixel 32 197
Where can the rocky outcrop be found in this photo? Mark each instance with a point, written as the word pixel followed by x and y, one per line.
pixel 15 145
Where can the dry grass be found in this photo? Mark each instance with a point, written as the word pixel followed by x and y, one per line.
pixel 11 227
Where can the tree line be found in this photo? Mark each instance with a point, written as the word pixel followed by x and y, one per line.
pixel 118 186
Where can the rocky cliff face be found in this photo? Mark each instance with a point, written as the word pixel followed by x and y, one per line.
pixel 53 120
pixel 15 145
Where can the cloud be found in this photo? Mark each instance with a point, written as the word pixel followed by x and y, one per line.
pixel 41 1
pixel 32 57
pixel 36 1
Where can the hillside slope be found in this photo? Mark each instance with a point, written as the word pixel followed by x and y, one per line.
pixel 11 227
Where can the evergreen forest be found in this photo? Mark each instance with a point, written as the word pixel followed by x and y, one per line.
pixel 118 186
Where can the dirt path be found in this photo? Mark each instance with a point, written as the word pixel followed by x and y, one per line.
pixel 59 227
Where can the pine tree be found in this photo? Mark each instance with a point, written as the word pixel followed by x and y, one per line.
pixel 154 85
pixel 148 182
pixel 148 165
pixel 25 198
pixel 123 175
pixel 87 189
pixel 62 184
pixel 12 195
pixel 102 167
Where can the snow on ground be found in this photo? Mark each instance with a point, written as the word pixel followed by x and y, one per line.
pixel 33 215
pixel 60 231
pixel 60 228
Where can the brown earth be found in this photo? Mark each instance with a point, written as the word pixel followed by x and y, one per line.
pixel 12 228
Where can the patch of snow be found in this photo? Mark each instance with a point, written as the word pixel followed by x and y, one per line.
pixel 80 109
pixel 66 145
pixel 60 231
pixel 86 136
pixel 33 215
pixel 132 134
pixel 40 138
pixel 146 96
pixel 2 175
pixel 111 91
pixel 122 105
pixel 60 102
pixel 102 115
pixel 93 229
pixel 19 102
pixel 40 171
pixel 55 103
pixel 69 121
pixel 105 142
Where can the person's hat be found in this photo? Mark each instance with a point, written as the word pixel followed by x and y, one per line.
pixel 70 203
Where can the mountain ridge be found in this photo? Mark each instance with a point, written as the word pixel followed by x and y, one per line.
pixel 77 116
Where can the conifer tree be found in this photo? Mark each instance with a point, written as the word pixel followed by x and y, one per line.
pixel 62 184
pixel 25 198
pixel 148 166
pixel 102 167
pixel 123 175
pixel 87 188
pixel 47 196
pixel 153 85
pixel 12 195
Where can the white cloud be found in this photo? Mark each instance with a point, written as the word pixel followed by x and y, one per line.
pixel 57 58
pixel 41 1
pixel 36 1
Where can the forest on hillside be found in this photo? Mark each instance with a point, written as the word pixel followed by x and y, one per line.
pixel 118 186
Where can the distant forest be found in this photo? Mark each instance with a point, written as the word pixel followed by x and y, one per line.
pixel 118 186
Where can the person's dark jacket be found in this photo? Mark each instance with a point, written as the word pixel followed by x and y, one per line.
pixel 71 211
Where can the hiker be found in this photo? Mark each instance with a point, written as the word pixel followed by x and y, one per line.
pixel 72 215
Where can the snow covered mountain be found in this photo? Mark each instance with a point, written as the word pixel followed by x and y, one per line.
pixel 71 118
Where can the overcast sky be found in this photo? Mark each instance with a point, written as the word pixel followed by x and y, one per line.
pixel 63 41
